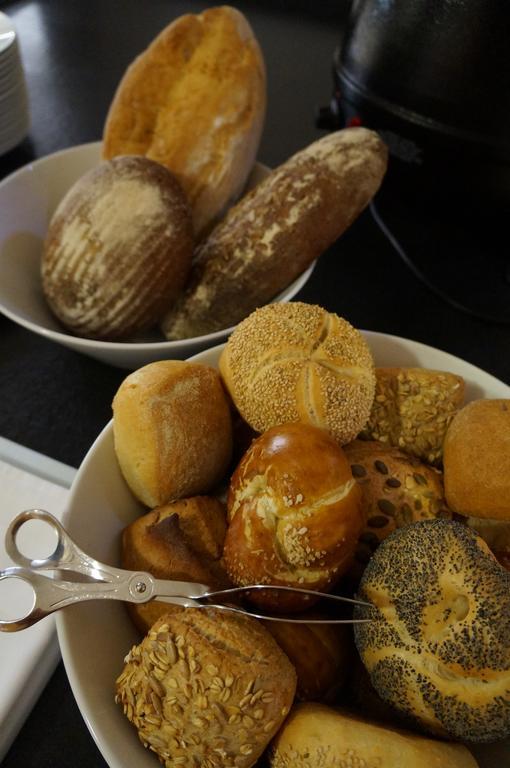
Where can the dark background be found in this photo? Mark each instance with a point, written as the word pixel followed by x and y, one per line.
pixel 56 401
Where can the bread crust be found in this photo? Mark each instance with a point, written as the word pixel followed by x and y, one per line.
pixel 298 362
pixel 437 649
pixel 317 736
pixel 277 230
pixel 477 460
pixel 195 102
pixel 207 687
pixel 118 249
pixel 181 541
pixel 172 430
pixel 412 410
pixel 294 515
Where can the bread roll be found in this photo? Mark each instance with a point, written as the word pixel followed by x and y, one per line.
pixel 195 101
pixel 277 230
pixel 181 541
pixel 496 534
pixel 477 460
pixel 397 489
pixel 206 688
pixel 118 249
pixel 297 362
pixel 438 647
pixel 317 736
pixel 294 515
pixel 172 431
pixel 412 409
pixel 320 653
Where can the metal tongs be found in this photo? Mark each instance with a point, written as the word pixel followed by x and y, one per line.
pixel 109 583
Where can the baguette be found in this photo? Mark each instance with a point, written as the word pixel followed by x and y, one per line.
pixel 277 230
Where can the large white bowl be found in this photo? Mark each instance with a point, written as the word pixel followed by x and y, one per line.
pixel 94 637
pixel 28 199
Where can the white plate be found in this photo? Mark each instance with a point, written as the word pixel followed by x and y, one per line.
pixel 94 637
pixel 28 199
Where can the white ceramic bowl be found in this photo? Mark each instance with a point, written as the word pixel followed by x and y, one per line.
pixel 94 637
pixel 28 199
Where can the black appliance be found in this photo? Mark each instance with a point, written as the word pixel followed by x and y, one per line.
pixel 433 78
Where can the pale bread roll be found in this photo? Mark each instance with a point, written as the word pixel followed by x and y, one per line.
pixel 477 460
pixel 172 431
pixel 118 249
pixel 317 736
pixel 298 362
pixel 195 101
pixel 277 230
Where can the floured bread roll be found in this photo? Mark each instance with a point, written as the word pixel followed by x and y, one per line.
pixel 297 362
pixel 207 688
pixel 438 648
pixel 277 230
pixel 195 101
pixel 118 249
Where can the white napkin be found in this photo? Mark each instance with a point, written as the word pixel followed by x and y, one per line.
pixel 27 658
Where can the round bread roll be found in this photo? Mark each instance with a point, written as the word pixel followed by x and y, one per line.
pixel 294 515
pixel 195 101
pixel 207 688
pixel 397 489
pixel 181 541
pixel 477 460
pixel 118 249
pixel 496 534
pixel 316 736
pixel 297 362
pixel 438 647
pixel 320 653
pixel 172 431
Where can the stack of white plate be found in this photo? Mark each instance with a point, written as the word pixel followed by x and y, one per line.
pixel 14 116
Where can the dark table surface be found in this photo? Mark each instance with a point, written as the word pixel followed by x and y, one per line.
pixel 56 401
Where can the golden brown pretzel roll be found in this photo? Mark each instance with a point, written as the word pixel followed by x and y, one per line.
pixel 438 647
pixel 207 688
pixel 317 736
pixel 477 460
pixel 195 101
pixel 412 409
pixel 118 249
pixel 277 230
pixel 320 653
pixel 297 362
pixel 182 540
pixel 172 430
pixel 294 514
pixel 397 489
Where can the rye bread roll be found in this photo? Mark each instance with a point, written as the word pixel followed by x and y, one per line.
pixel 277 230
pixel 195 102
pixel 118 249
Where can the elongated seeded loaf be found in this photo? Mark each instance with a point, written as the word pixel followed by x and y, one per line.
pixel 277 230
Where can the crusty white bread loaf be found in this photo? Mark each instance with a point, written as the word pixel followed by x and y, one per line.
pixel 277 230
pixel 207 688
pixel 316 736
pixel 438 645
pixel 195 101
pixel 412 409
pixel 297 362
pixel 477 460
pixel 172 431
pixel 118 249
